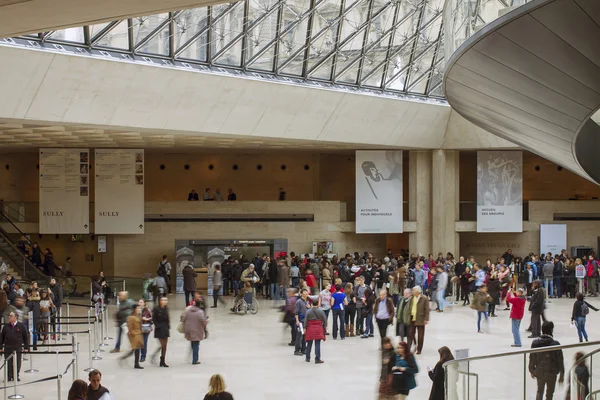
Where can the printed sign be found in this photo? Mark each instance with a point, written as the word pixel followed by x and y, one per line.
pixel 119 201
pixel 499 191
pixel 64 191
pixel 379 191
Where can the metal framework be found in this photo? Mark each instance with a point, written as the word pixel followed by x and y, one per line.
pixel 386 45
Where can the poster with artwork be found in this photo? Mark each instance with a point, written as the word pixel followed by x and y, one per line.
pixel 119 200
pixel 499 191
pixel 64 191
pixel 379 191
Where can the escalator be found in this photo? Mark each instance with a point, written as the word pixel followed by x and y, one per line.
pixel 16 261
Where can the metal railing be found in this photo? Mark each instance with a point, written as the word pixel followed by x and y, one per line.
pixel 522 385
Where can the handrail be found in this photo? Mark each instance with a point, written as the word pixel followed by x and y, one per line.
pixel 10 207
pixel 594 393
pixel 14 226
pixel 8 240
pixel 514 353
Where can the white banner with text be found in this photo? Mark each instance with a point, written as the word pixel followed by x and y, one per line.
pixel 379 191
pixel 499 191
pixel 119 193
pixel 64 191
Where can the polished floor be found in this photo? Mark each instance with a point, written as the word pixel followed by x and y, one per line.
pixel 251 352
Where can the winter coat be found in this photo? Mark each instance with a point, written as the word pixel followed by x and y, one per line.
pixel 134 326
pixel 437 375
pixel 389 305
pixel 537 301
pixel 422 310
pixel 194 322
pixel 547 364
pixel 518 306
pixel 189 279
pixel 284 276
pixel 326 276
pixel 480 300
pixel 162 325
pixel 494 289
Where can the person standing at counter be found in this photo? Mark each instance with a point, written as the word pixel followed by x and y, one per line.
pixel 189 282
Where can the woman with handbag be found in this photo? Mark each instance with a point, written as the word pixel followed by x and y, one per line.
pixel 404 371
pixel 134 325
pixel 162 326
pixel 388 359
pixel 146 327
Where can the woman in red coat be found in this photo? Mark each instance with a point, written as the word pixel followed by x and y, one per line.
pixel 315 323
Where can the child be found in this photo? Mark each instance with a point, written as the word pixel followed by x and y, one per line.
pixel 368 310
pixel 481 298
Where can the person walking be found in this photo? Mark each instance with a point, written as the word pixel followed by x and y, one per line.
pixel 216 389
pixel 548 270
pixel 536 306
pixel 545 366
pixel 162 327
pixel 314 328
pixel 13 340
pixel 582 378
pixel 194 323
pixel 146 315
pixel 402 315
pixel 494 290
pixel 284 280
pixel 189 282
pixel 440 292
pixel 418 315
pixel 368 310
pixel 388 360
pixel 217 284
pixel 134 326
pixel 338 302
pixel 438 375
pixel 404 371
pixel 592 275
pixel 384 313
pixel 481 299
pixel 581 309
pixel 517 300
pixel 125 305
pixel 361 301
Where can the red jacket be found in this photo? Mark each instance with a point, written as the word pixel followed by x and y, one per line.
pixel 314 330
pixel 311 281
pixel 518 306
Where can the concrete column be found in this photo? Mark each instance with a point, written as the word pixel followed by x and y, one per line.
pixel 445 173
pixel 419 201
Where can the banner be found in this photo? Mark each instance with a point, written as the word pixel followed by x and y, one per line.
pixel 379 191
pixel 499 191
pixel 553 238
pixel 119 205
pixel 64 191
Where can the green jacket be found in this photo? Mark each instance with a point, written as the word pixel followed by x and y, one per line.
pixel 480 301
pixel 402 310
pixel 124 311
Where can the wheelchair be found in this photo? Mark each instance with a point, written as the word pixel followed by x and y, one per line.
pixel 246 304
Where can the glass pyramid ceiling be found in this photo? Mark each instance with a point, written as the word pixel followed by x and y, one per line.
pixel 390 46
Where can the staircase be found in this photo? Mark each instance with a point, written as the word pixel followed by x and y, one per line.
pixel 18 265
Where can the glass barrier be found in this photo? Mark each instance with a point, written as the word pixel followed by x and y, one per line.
pixel 463 18
pixel 473 379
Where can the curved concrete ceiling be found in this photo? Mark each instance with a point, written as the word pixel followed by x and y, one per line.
pixel 533 77
pixel 19 17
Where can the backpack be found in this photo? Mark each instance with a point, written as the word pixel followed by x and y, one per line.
pixel 585 310
pixel 162 269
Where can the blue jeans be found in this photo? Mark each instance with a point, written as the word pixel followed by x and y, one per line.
pixel 274 290
pixel 516 324
pixel 338 314
pixel 580 324
pixel 549 284
pixel 369 324
pixel 327 318
pixel 295 281
pixel 119 333
pixel 317 349
pixel 479 314
pixel 282 292
pixel 195 349
pixel 441 298
pixel 145 348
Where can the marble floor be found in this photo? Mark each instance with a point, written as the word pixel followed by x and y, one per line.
pixel 251 352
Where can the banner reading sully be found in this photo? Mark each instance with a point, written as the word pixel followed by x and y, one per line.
pixel 378 191
pixel 499 191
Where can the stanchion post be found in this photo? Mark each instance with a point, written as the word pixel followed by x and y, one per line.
pixel 90 358
pixel 74 345
pixel 58 317
pixel 96 349
pixel 6 374
pixel 104 320
pixel 15 378
pixel 58 379
pixel 31 370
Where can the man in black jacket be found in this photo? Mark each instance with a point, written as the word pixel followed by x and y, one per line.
pixel 545 366
pixel 537 308
pixel 459 269
pixel 14 339
pixel 236 276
